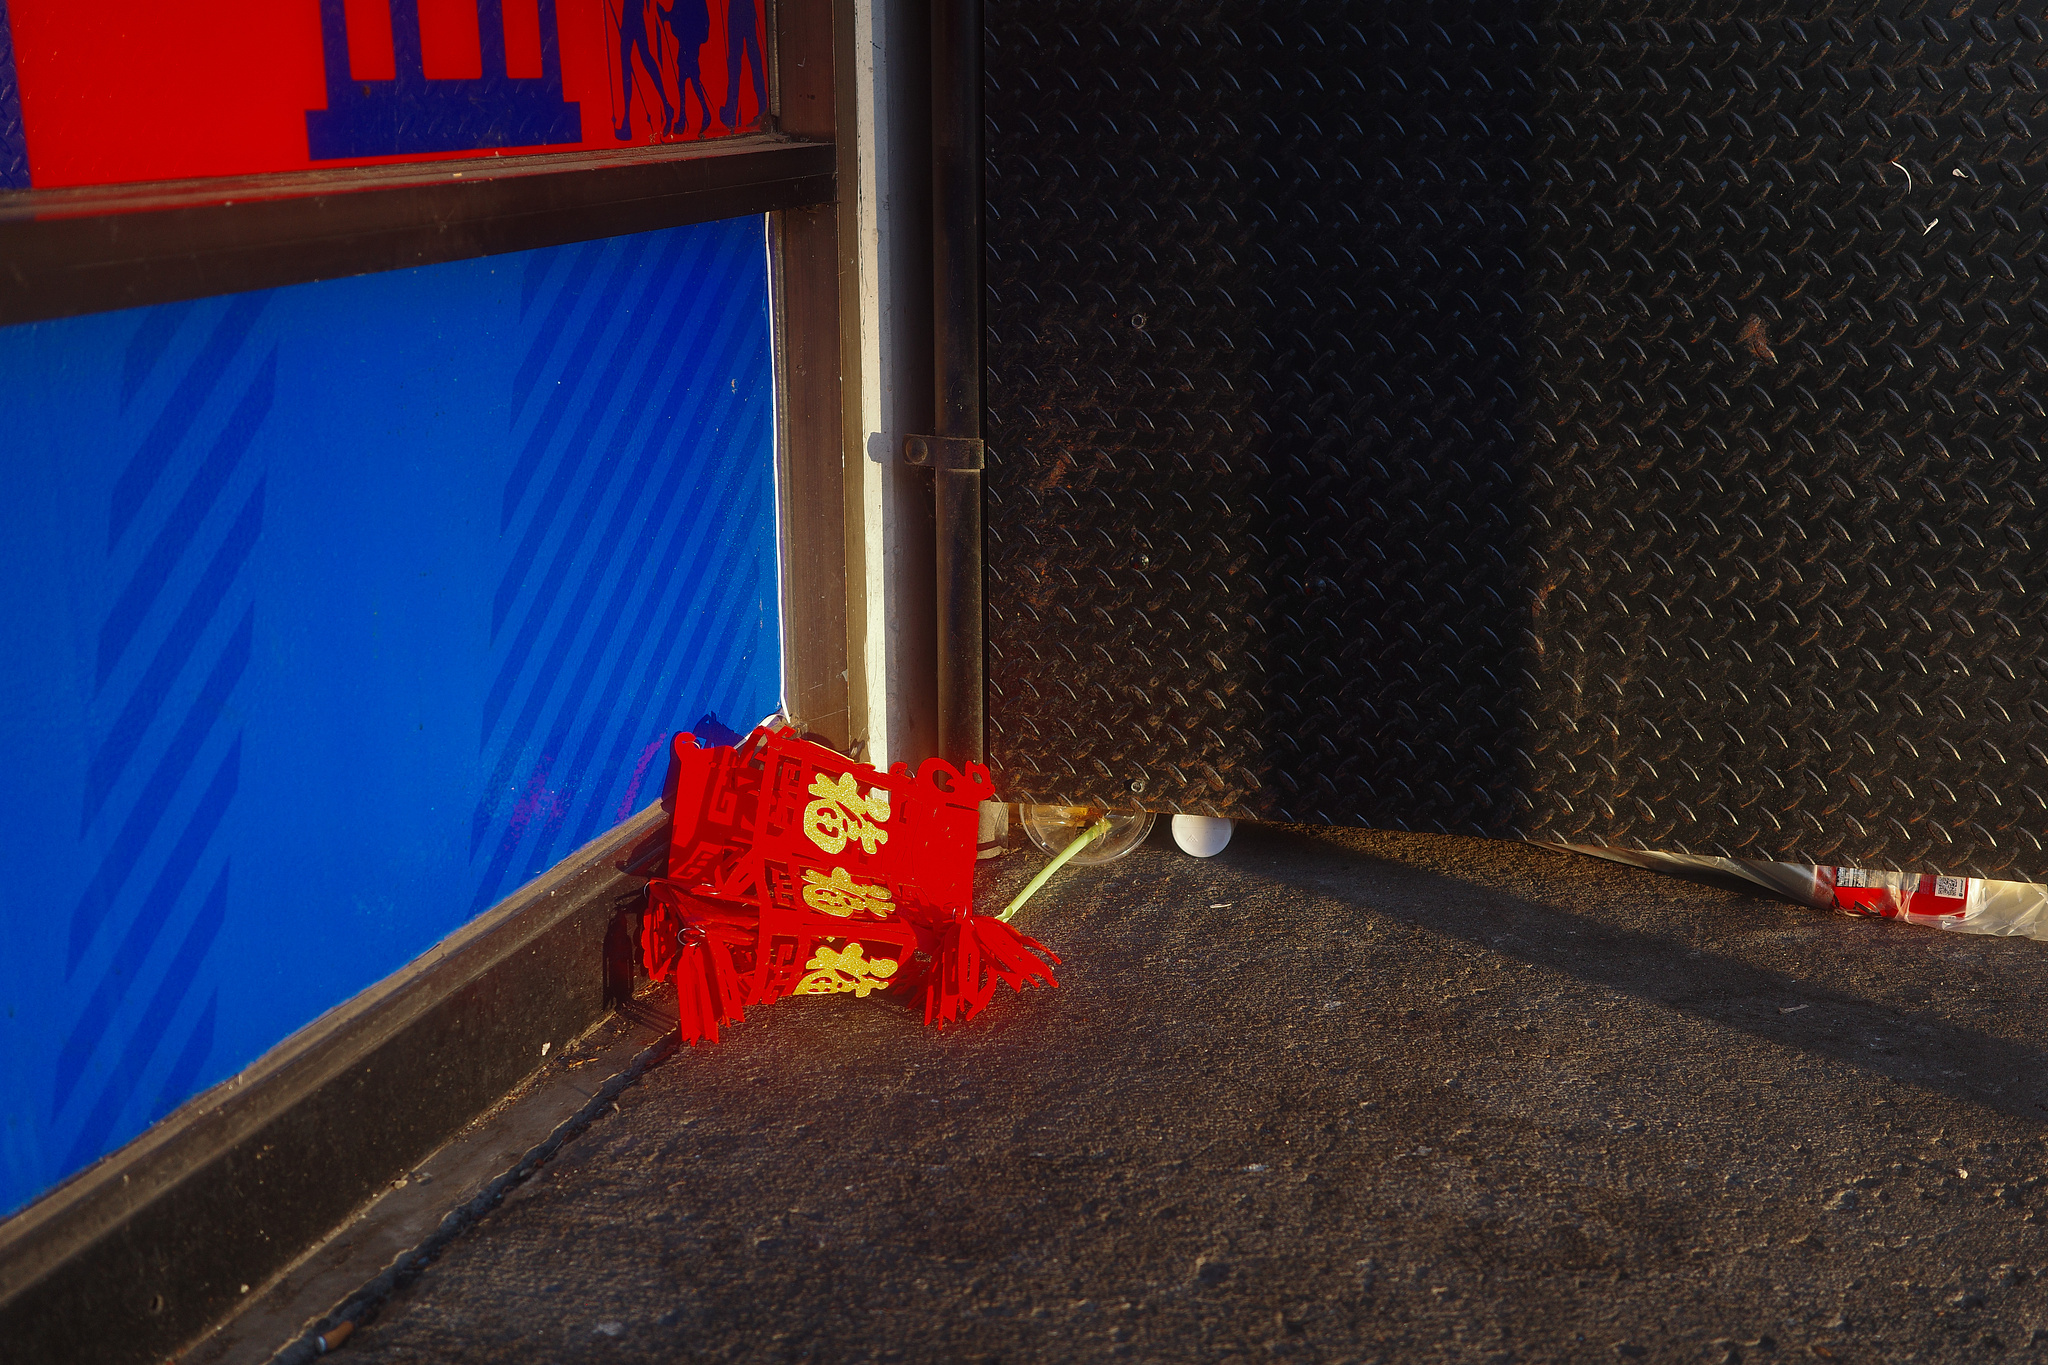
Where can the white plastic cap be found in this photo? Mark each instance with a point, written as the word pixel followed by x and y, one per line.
pixel 1205 836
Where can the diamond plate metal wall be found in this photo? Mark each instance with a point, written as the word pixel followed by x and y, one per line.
pixel 1613 423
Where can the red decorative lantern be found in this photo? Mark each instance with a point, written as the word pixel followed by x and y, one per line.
pixel 793 870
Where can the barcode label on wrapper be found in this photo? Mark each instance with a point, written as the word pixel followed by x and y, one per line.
pixel 1864 891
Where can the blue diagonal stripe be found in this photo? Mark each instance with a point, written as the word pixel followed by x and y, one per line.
pixel 719 694
pixel 549 333
pixel 640 635
pixel 582 449
pixel 739 637
pixel 513 664
pixel 126 617
pixel 689 552
pixel 627 640
pixel 710 569
pixel 721 643
pixel 148 344
pixel 118 863
pixel 146 466
pixel 521 649
pixel 576 700
pixel 110 760
pixel 148 923
pixel 565 390
pixel 718 604
pixel 539 265
pixel 684 594
pixel 667 637
pixel 629 357
pixel 185 1071
pixel 149 1029
pixel 674 643
pixel 604 403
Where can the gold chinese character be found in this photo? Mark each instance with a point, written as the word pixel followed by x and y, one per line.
pixel 839 894
pixel 836 971
pixel 842 815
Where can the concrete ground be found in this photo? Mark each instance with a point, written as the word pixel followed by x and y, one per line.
pixel 1330 1096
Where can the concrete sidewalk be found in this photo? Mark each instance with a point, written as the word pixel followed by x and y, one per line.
pixel 1331 1096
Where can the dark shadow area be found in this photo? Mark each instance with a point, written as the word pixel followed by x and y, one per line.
pixel 1271 265
pixel 1886 1037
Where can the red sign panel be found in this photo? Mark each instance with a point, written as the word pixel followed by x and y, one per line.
pixel 132 90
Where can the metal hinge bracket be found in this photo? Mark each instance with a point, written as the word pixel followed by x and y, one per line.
pixel 943 452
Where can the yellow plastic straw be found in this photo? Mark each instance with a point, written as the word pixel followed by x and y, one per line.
pixel 1093 832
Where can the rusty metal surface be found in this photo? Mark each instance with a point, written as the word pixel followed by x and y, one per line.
pixel 1556 423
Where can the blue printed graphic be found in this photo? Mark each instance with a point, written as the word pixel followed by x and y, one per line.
pixel 741 40
pixel 13 141
pixel 411 114
pixel 333 614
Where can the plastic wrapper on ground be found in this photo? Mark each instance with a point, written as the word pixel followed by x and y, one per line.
pixel 1965 905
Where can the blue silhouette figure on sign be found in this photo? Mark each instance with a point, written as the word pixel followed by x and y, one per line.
pixel 410 114
pixel 638 28
pixel 740 36
pixel 629 25
pixel 689 23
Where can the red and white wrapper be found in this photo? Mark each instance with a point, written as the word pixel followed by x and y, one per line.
pixel 1967 905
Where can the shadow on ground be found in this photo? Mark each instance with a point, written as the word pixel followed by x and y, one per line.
pixel 1331 1096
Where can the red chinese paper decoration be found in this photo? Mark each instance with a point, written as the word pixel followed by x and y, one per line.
pixel 795 871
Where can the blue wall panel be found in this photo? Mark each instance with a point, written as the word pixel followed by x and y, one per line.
pixel 329 616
